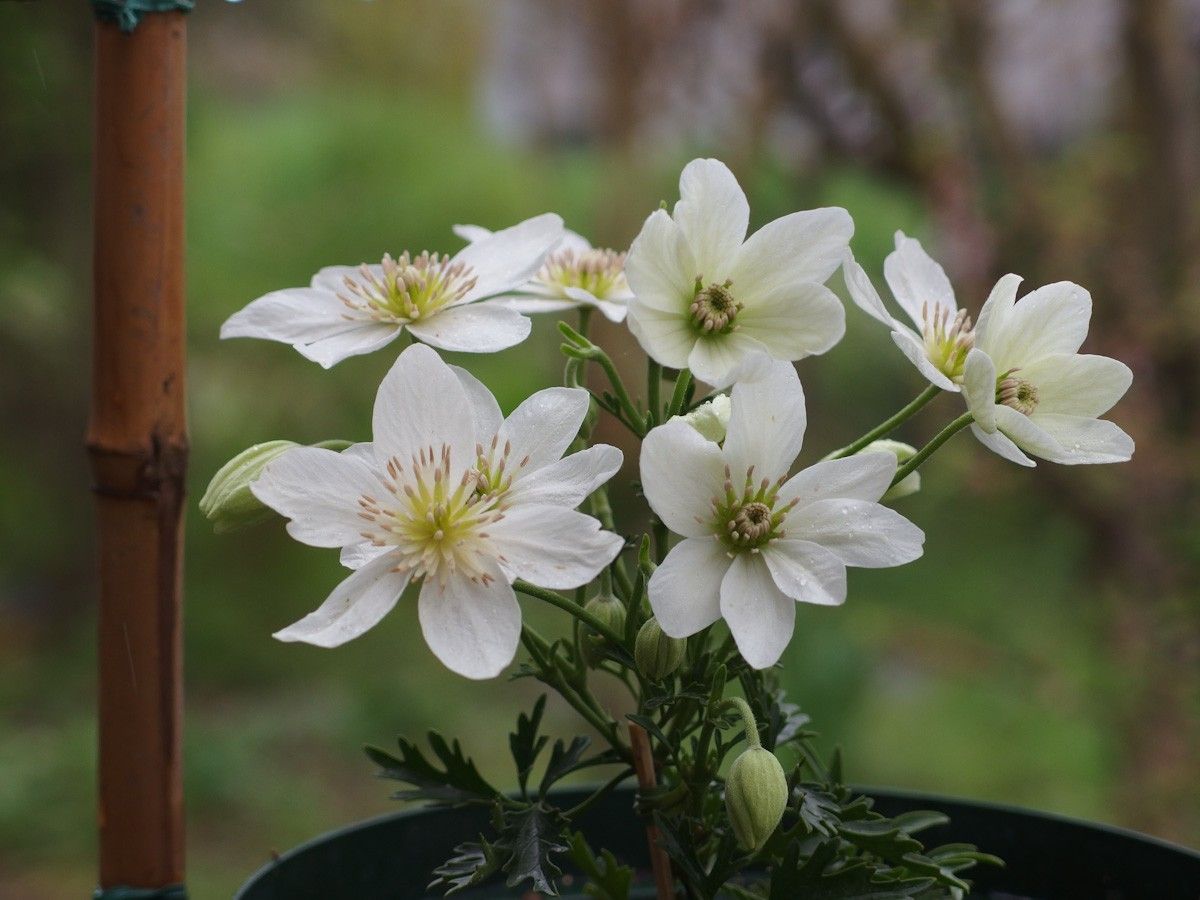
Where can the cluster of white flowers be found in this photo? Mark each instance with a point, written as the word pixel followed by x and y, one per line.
pixel 452 495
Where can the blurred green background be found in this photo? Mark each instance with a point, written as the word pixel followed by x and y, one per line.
pixel 1043 652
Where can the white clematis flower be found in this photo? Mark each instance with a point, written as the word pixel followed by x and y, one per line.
pixel 351 310
pixel 574 274
pixel 706 297
pixel 450 495
pixel 755 541
pixel 710 418
pixel 1029 389
pixel 943 337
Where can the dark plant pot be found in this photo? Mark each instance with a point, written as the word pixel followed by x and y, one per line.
pixel 1048 857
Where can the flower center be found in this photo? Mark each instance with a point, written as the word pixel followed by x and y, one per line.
pixel 437 525
pixel 1018 393
pixel 947 340
pixel 713 308
pixel 748 520
pixel 493 474
pixel 409 288
pixel 599 272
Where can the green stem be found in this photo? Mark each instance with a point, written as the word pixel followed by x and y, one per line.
pixel 633 418
pixel 653 393
pixel 888 426
pixel 566 605
pixel 748 720
pixel 679 395
pixel 585 318
pixel 598 793
pixel 928 450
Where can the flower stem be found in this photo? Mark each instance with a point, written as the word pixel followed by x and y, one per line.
pixel 556 599
pixel 889 425
pixel 600 792
pixel 748 720
pixel 653 393
pixel 927 451
pixel 679 396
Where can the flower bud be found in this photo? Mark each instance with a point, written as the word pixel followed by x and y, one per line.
pixel 229 503
pixel 903 453
pixel 711 418
pixel 756 794
pixel 611 612
pixel 656 653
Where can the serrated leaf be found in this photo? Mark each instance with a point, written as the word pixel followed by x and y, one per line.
pixel 651 728
pixel 531 836
pixel 457 783
pixel 817 879
pixel 607 879
pixel 472 864
pixel 525 743
pixel 564 759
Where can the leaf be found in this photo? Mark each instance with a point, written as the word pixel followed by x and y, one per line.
pixel 472 864
pixel 651 728
pixel 607 879
pixel 530 836
pixel 564 759
pixel 818 878
pixel 819 811
pixel 881 837
pixel 920 819
pixel 457 783
pixel 526 743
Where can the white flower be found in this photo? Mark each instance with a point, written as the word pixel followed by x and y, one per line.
pixel 706 297
pixel 711 418
pixel 1029 389
pixel 448 494
pixel 943 336
pixel 574 274
pixel 350 310
pixel 755 541
pixel 910 483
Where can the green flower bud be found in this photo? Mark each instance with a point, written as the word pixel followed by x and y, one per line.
pixel 903 452
pixel 756 794
pixel 657 654
pixel 228 503
pixel 611 612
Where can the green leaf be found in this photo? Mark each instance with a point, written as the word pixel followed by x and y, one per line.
pixel 824 876
pixel 532 836
pixel 607 879
pixel 919 820
pixel 881 837
pixel 472 864
pixel 526 743
pixel 458 782
pixel 564 759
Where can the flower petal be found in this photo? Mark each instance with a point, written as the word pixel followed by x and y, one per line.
pixel 1078 384
pixel 861 533
pixel 917 281
pixel 713 215
pixel 795 320
pixel 802 248
pixel 471 233
pixel 1002 446
pixel 355 556
pixel 766 423
pixel 681 472
pixel 997 308
pixel 863 476
pixel 1052 319
pixel 914 349
pixel 659 266
pixel 421 404
pixel 1085 439
pixel 760 616
pixel 552 546
pixel 569 481
pixel 685 591
pixel 667 337
pixel 979 389
pixel 472 328
pixel 505 260
pixel 531 304
pixel 863 293
pixel 1027 434
pixel 806 572
pixel 473 627
pixel 716 359
pixel 355 606
pixel 333 278
pixel 484 408
pixel 318 491
pixel 330 351
pixel 541 429
pixel 613 310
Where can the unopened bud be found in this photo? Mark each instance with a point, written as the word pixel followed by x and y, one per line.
pixel 656 653
pixel 756 794
pixel 903 453
pixel 711 419
pixel 229 503
pixel 611 612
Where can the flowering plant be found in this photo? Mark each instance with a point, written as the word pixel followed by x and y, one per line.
pixel 691 604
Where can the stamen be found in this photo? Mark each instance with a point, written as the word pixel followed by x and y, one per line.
pixel 713 309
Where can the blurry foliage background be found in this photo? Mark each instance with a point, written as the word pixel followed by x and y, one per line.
pixel 1043 652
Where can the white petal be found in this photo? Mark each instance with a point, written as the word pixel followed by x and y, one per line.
pixel 917 281
pixel 472 328
pixel 330 351
pixel 471 233
pixel 569 481
pixel 1001 446
pixel 863 293
pixel 472 627
pixel 484 408
pixel 979 389
pixel 318 490
pixel 612 310
pixel 1027 435
pixel 804 247
pixel 422 404
pixel 1052 319
pixel 685 591
pixel 333 278
pixel 541 429
pixel 505 260
pixel 355 606
pixel 863 476
pixel 666 337
pixel 681 472
pixel 659 267
pixel 794 321
pixel 766 424
pixel 713 215
pixel 1085 439
pixel 355 556
pixel 760 616
pixel 806 572
pixel 574 241
pixel 914 349
pixel 861 533
pixel 716 359
pixel 530 304
pixel 997 308
pixel 552 546
pixel 1078 384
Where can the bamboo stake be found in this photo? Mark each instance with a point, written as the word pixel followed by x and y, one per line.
pixel 137 444
pixel 643 765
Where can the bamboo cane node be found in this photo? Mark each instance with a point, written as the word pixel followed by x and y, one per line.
pixel 128 13
pixel 138 474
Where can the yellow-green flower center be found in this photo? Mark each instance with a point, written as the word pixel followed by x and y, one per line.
pixel 749 519
pixel 1018 393
pixel 947 340
pixel 600 272
pixel 408 288
pixel 713 309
